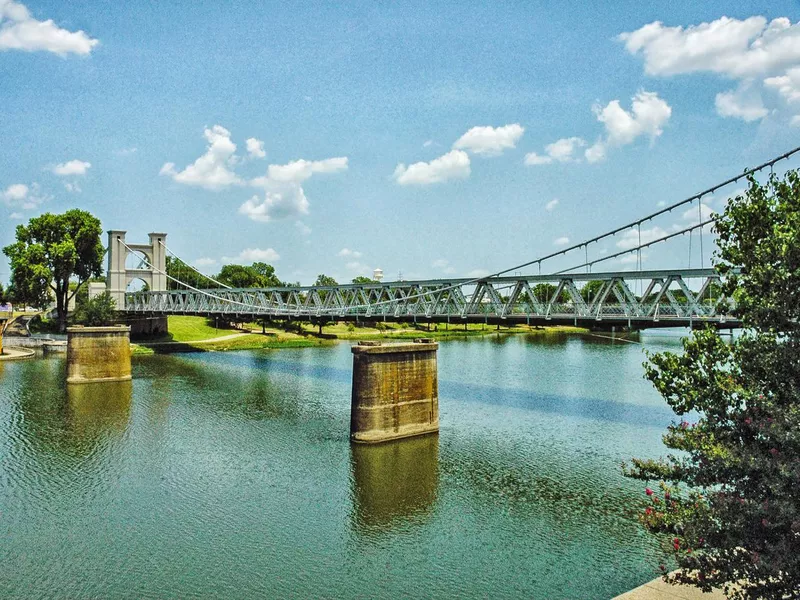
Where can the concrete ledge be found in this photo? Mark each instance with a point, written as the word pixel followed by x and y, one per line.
pixel 98 354
pixel 381 348
pixel 16 353
pixel 658 589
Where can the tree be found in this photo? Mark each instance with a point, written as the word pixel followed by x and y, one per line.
pixel 97 311
pixel 729 500
pixel 182 272
pixel 591 289
pixel 258 275
pixel 325 280
pixel 50 251
pixel 362 279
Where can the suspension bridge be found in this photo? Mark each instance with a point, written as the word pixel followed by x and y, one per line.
pixel 577 295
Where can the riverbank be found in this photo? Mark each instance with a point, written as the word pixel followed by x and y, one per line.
pixel 194 334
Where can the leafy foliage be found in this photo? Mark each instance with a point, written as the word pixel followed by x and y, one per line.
pixel 323 279
pixel 729 498
pixel 257 275
pixel 362 279
pixel 50 251
pixel 97 311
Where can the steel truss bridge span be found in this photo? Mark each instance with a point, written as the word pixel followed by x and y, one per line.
pixel 637 299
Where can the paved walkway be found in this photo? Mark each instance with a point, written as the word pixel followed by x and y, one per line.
pixel 658 590
pixel 207 341
pixel 16 353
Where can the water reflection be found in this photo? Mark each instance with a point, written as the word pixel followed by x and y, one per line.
pixel 98 410
pixel 394 481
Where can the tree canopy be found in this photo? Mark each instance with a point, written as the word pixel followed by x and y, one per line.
pixel 728 500
pixel 50 251
pixel 362 279
pixel 323 279
pixel 257 275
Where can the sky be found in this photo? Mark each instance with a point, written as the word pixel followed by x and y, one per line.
pixel 429 139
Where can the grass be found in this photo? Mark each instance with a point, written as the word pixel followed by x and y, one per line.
pixel 194 334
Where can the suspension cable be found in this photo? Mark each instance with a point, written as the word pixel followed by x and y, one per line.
pixel 193 269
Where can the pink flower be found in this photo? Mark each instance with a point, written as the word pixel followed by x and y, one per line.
pixel 773 451
pixel 648 491
pixel 748 420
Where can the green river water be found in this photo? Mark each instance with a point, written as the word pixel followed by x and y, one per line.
pixel 230 475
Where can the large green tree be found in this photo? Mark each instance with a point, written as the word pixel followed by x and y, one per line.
pixel 729 498
pixel 50 251
pixel 257 275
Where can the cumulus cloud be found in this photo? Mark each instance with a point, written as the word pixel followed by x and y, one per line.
pixel 255 148
pixel 298 171
pixel 490 141
pixel 743 103
pixel 453 165
pixel 251 255
pixel 72 167
pixel 550 206
pixel 205 262
pixel 443 265
pixel 284 196
pixel 347 253
pixel 562 241
pixel 562 150
pixel 20 31
pixel 731 47
pixel 22 196
pixel 757 52
pixel 647 117
pixel 212 170
pixel 630 238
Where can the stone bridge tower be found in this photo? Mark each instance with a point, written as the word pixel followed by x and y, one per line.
pixel 118 276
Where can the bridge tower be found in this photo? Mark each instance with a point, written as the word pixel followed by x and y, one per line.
pixel 118 276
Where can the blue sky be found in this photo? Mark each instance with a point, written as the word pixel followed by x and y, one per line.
pixel 436 139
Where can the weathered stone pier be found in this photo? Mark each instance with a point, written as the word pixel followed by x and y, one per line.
pixel 395 391
pixel 96 354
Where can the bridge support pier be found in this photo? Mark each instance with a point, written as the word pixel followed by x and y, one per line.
pixel 96 354
pixel 395 391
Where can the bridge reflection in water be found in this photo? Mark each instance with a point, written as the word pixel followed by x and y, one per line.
pixel 394 481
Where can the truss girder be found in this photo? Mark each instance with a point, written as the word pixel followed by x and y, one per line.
pixel 666 296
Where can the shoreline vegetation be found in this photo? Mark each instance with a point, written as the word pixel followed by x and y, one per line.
pixel 196 334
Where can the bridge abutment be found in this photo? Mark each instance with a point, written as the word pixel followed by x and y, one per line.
pixel 96 354
pixel 395 391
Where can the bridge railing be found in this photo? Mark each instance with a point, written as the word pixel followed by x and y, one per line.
pixel 663 296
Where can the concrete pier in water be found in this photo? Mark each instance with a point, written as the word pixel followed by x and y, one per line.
pixel 96 354
pixel 395 391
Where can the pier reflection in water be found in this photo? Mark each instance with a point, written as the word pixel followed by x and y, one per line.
pixel 95 410
pixel 393 481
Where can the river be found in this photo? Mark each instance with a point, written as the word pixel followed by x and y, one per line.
pixel 230 475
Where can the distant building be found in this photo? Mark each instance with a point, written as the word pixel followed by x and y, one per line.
pixel 377 274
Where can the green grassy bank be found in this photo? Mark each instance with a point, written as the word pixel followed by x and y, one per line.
pixel 197 334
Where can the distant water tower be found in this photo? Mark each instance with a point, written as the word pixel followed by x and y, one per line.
pixel 377 274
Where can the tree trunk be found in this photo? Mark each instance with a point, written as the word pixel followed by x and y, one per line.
pixel 61 309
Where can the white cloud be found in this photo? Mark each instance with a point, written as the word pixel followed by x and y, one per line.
pixel 551 205
pixel 730 47
pixel 694 216
pixel 632 258
pixel 255 148
pixel 477 273
pixel 647 116
pixel 251 255
pixel 291 202
pixel 427 143
pixel 630 238
pixel 16 215
pixel 490 140
pixel 562 241
pixel 754 51
pixel 743 103
pixel 73 188
pixel 126 151
pixel 205 262
pixel 302 228
pixel 562 150
pixel 358 267
pixel 453 165
pixel 787 85
pixel 284 196
pixel 20 31
pixel 347 253
pixel 443 265
pixel 72 167
pixel 19 195
pixel 298 171
pixel 212 170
